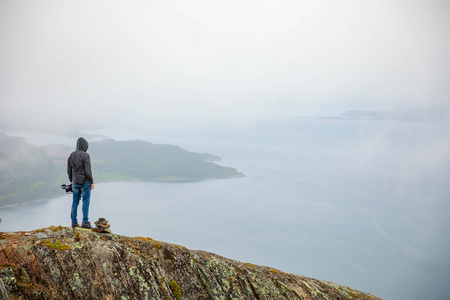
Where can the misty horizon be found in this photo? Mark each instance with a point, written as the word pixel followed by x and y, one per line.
pixel 177 65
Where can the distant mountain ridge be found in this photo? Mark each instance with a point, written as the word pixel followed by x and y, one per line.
pixel 30 172
pixel 428 114
pixel 411 114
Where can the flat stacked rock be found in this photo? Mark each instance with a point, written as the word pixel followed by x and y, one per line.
pixel 102 226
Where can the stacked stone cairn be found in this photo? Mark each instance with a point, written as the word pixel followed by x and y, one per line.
pixel 102 226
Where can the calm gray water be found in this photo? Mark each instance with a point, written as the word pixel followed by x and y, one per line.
pixel 363 204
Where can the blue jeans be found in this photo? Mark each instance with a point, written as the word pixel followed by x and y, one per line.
pixel 79 190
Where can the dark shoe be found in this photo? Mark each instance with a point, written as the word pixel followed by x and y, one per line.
pixel 86 225
pixel 75 225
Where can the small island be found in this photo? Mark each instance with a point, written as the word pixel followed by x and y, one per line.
pixel 30 172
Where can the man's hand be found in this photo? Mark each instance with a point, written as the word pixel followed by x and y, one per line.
pixel 92 186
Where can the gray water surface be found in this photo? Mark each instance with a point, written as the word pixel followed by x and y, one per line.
pixel 363 204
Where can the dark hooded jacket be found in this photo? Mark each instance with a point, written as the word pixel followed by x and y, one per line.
pixel 79 163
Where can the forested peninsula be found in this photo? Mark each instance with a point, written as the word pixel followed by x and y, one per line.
pixel 29 172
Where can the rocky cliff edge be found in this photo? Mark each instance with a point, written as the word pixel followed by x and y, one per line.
pixel 62 263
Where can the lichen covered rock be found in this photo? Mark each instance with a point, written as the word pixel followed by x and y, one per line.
pixel 65 263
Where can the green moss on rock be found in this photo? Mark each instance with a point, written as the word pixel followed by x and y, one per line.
pixel 119 267
pixel 176 290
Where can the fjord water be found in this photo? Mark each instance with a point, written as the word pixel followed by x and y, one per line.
pixel 359 203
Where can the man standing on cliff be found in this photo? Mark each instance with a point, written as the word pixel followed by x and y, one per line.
pixel 80 177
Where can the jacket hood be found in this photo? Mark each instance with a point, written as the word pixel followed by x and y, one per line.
pixel 82 144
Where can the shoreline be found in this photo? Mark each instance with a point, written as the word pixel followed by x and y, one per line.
pixel 185 180
pixel 29 202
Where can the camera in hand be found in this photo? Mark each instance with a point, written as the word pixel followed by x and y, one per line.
pixel 67 188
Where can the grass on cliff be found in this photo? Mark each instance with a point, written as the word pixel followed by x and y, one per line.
pixel 175 289
pixel 56 245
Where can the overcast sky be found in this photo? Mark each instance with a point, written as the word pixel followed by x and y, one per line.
pixel 193 62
